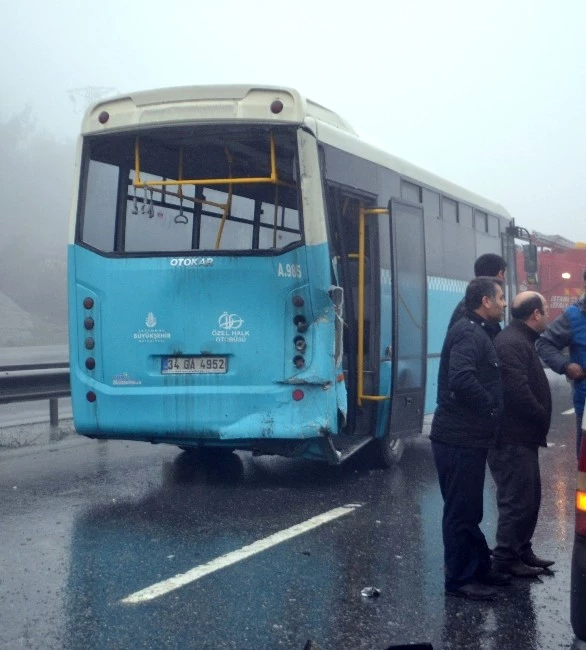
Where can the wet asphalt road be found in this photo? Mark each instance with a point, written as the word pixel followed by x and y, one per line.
pixel 84 524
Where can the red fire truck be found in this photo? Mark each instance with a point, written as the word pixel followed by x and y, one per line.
pixel 559 270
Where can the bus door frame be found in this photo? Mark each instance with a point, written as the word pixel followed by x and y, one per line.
pixel 361 417
pixel 407 399
pixel 407 405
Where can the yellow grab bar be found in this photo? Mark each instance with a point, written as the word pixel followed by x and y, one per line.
pixel 361 266
pixel 273 178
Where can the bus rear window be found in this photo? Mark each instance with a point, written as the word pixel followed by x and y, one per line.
pixel 187 189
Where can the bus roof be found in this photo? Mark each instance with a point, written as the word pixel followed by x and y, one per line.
pixel 201 103
pixel 186 104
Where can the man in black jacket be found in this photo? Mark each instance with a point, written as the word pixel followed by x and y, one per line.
pixel 514 464
pixel 465 426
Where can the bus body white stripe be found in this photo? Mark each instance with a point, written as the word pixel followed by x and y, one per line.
pixel 182 579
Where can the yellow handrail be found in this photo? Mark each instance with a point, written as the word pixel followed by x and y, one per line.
pixel 230 181
pixel 361 265
pixel 273 178
pixel 228 207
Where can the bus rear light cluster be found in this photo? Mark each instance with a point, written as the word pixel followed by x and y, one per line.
pixel 301 324
pixel 90 396
pixel 89 343
pixel 298 394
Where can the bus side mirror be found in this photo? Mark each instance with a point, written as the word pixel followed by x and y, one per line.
pixel 530 258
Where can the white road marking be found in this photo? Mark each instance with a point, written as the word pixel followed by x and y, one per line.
pixel 182 579
pixel 568 412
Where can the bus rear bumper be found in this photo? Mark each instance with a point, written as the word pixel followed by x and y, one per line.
pixel 199 416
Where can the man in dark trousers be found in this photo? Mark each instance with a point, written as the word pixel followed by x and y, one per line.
pixel 569 330
pixel 488 265
pixel 514 464
pixel 465 426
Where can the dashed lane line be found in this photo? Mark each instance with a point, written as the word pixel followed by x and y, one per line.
pixel 568 412
pixel 182 579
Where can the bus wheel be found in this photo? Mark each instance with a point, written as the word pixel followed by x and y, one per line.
pixel 391 450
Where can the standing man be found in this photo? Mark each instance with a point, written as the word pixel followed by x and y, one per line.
pixel 569 330
pixel 488 265
pixel 465 426
pixel 514 464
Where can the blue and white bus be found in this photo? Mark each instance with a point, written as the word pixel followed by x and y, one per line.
pixel 246 273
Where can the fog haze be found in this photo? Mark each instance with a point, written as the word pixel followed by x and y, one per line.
pixel 491 96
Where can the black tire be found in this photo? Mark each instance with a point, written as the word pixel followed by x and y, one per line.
pixel 390 450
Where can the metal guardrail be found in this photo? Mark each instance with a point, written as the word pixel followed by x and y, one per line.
pixel 27 382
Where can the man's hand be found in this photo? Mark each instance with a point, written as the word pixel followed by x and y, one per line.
pixel 575 371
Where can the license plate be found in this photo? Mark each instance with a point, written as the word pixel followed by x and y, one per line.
pixel 194 365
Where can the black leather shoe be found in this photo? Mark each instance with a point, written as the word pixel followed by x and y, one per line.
pixel 519 569
pixel 473 591
pixel 494 578
pixel 532 560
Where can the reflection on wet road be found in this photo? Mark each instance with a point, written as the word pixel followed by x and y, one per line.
pixel 85 524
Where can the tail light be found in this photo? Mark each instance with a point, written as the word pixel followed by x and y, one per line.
pixel 89 343
pixel 581 490
pixel 301 325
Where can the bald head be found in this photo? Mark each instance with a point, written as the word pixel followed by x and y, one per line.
pixel 526 296
pixel 531 308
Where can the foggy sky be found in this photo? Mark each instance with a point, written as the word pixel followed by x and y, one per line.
pixel 491 96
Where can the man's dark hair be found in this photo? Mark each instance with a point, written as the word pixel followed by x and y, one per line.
pixel 527 307
pixel 489 265
pixel 478 288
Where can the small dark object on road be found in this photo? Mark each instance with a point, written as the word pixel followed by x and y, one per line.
pixel 311 645
pixel 370 592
